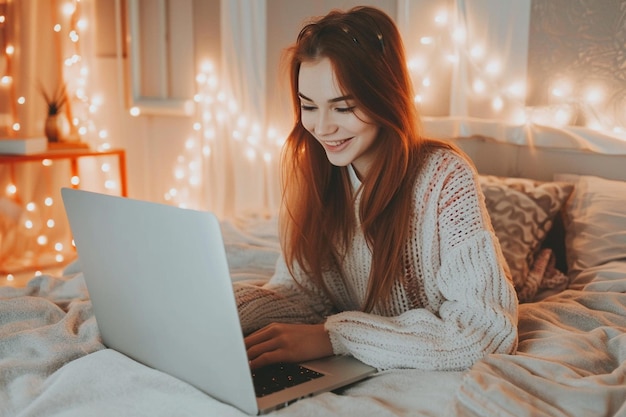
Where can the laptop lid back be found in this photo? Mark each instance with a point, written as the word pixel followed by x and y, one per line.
pixel 160 286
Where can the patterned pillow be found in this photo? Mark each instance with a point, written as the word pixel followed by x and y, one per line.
pixel 522 213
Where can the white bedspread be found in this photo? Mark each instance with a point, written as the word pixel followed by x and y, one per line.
pixel 571 360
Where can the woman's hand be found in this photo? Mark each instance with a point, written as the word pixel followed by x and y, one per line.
pixel 281 342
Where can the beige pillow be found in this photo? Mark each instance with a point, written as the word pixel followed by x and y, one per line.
pixel 522 213
pixel 595 225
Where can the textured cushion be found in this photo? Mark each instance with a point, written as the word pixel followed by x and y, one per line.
pixel 522 213
pixel 595 224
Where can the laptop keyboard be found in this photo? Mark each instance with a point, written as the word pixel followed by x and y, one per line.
pixel 273 378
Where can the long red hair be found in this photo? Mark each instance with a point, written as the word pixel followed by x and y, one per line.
pixel 317 223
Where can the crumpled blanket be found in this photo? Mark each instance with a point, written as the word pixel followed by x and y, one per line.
pixel 571 359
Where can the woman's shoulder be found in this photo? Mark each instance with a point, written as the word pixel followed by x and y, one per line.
pixel 445 158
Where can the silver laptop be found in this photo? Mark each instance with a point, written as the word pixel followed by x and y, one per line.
pixel 161 291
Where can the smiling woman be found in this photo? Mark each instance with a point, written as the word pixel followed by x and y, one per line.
pixel 388 254
pixel 345 132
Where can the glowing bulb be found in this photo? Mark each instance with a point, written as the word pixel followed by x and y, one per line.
pixel 479 86
pixel 10 277
pixel 561 89
pixel 46 162
pixel 16 127
pixel 497 104
pixel 68 9
pixel 57 28
pixel 10 49
pixel 441 18
pixel 477 51
pixel 81 24
pixel 75 180
pixel 21 100
pixel 50 223
pixel 493 67
pixel 6 80
pixel 110 185
pixel 28 224
pixel 48 201
pixel 459 35
pixel 594 95
pixel 517 89
pixel 58 246
pixel 135 111
pixel 31 207
pixel 105 167
pixel 59 258
pixel 11 189
pixel 42 240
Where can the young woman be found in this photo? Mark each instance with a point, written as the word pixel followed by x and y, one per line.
pixel 388 253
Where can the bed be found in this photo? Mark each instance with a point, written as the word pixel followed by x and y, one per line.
pixel 558 204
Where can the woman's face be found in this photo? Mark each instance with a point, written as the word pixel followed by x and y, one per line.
pixel 333 119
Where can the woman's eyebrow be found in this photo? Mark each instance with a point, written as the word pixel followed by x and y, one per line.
pixel 332 100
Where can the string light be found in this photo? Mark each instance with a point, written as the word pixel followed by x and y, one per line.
pixel 488 80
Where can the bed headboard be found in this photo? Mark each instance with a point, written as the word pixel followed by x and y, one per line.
pixel 532 150
pixel 494 157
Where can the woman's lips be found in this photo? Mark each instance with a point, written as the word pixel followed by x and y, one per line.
pixel 336 145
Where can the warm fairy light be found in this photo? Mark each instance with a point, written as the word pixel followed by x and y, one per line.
pixel 28 224
pixel 31 207
pixel 441 18
pixel 6 80
pixel 10 49
pixel 594 95
pixel 497 104
pixel 479 86
pixel 493 67
pixel 16 127
pixel 59 258
pixel 11 189
pixel 48 201
pixel 57 28
pixel 42 240
pixel 68 9
pixel 58 246
pixel 75 180
pixel 46 162
pixel 50 223
pixel 477 51
pixel 134 111
pixel 21 100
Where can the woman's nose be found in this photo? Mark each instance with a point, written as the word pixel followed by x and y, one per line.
pixel 325 124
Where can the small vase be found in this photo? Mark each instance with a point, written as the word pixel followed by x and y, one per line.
pixel 53 128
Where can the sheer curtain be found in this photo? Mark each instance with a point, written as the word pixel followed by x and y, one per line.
pixel 240 176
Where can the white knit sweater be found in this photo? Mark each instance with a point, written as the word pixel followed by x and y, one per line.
pixel 454 305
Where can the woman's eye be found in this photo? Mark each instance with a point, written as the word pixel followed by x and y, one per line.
pixel 349 109
pixel 305 107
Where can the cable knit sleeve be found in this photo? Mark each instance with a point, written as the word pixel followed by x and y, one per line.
pixel 280 300
pixel 465 305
